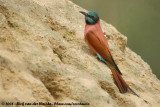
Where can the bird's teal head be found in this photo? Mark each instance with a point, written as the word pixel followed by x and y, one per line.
pixel 91 17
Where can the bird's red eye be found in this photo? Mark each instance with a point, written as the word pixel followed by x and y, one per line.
pixel 91 16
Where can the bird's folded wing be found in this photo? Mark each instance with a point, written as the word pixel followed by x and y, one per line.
pixel 98 45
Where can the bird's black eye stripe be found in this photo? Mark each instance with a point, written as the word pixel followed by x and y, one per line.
pixel 92 17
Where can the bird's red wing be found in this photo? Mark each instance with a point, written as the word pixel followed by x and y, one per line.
pixel 97 46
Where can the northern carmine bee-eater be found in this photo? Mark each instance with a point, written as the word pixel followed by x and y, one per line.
pixel 97 42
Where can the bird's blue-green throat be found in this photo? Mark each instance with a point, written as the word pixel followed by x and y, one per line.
pixel 91 17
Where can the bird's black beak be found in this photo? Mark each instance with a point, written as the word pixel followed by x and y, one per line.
pixel 84 13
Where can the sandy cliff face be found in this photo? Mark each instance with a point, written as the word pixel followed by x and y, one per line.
pixel 43 58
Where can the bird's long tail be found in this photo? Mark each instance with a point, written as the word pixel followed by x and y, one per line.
pixel 121 84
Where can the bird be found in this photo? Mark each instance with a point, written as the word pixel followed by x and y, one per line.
pixel 97 42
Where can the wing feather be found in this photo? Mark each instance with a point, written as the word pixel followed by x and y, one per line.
pixel 97 45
